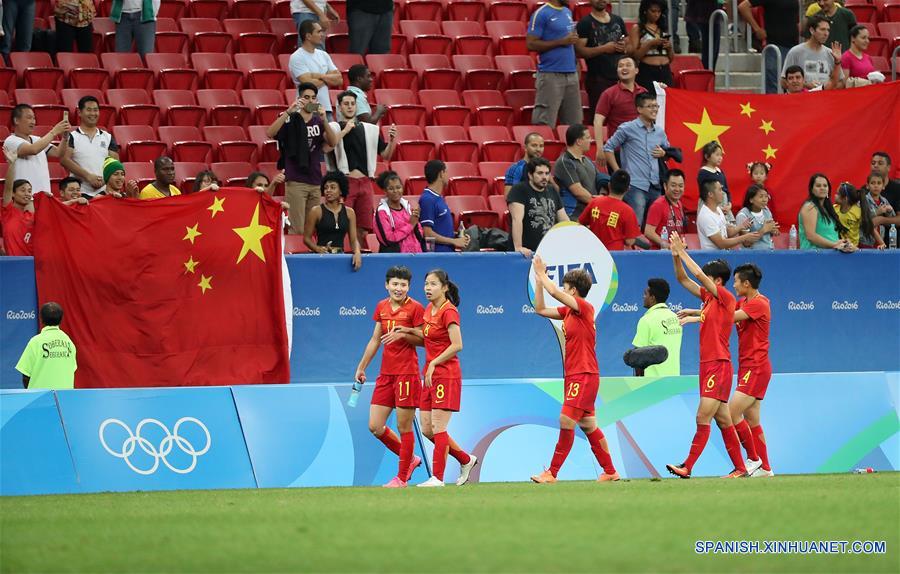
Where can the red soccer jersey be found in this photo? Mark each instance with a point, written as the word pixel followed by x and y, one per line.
pixel 611 220
pixel 753 333
pixel 399 357
pixel 18 226
pixel 716 318
pixel 437 339
pixel 581 339
pixel 663 214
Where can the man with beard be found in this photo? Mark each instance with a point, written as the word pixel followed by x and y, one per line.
pixel 534 207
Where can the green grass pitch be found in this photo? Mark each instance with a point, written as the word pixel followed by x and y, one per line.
pixel 630 526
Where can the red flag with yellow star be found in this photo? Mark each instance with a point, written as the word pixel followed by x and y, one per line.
pixel 833 132
pixel 181 291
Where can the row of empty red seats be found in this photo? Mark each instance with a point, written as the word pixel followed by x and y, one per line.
pixel 875 11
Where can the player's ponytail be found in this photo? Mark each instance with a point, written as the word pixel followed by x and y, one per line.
pixel 444 279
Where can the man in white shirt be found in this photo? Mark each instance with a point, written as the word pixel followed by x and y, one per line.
pixel 309 64
pixel 714 231
pixel 33 151
pixel 89 146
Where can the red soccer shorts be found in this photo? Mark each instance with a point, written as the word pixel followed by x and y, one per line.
pixel 753 380
pixel 715 380
pixel 580 395
pixel 444 394
pixel 401 391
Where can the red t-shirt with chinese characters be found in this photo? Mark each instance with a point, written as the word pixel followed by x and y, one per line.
pixel 18 227
pixel 753 333
pixel 399 357
pixel 611 220
pixel 663 214
pixel 437 339
pixel 716 318
pixel 581 339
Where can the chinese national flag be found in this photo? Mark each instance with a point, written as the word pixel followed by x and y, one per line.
pixel 181 291
pixel 833 132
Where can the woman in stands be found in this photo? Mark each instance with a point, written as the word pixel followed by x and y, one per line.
pixel 261 182
pixel 759 174
pixel 712 170
pixel 206 180
pixel 819 226
pixel 855 61
pixel 756 211
pixel 853 216
pixel 331 221
pixel 396 220
pixel 650 46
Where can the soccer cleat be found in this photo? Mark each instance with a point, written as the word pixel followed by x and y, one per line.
pixel 762 473
pixel 545 477
pixel 736 474
pixel 608 477
pixel 752 465
pixel 413 465
pixel 680 470
pixel 431 483
pixel 395 483
pixel 465 469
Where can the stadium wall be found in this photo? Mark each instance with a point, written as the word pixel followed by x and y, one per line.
pixel 304 435
pixel 831 312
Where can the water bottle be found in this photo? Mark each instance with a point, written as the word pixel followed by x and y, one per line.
pixel 462 229
pixel 892 237
pixel 354 394
pixel 664 236
pixel 792 237
pixel 867 470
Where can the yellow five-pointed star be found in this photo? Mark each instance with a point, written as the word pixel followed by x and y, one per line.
pixel 190 264
pixel 767 126
pixel 747 110
pixel 770 151
pixel 216 206
pixel 252 237
pixel 706 130
pixel 205 283
pixel 192 233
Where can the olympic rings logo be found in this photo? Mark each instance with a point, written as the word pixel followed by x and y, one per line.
pixel 158 453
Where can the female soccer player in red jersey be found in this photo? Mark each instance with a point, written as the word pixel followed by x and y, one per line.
pixel 398 383
pixel 716 319
pixel 582 375
pixel 443 378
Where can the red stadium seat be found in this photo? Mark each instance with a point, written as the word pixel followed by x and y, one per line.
pixel 461 168
pixel 172 42
pixel 490 107
pixel 435 72
pixel 479 72
pixel 186 172
pixel 36 70
pixel 128 71
pixel 232 172
pixel 343 63
pixel 267 147
pixel 413 175
pixel 70 99
pixel 495 172
pixel 251 35
pixel 453 143
pixel 138 143
pixel 496 143
pixel 134 106
pixel 468 38
pixel 403 108
pixel 504 32
pixel 471 210
pixel 140 171
pixel 179 107
pixel 167 9
pixel 166 25
pixel 207 35
pixel 467 184
pixel 863 12
pixel 444 108
pixel 697 80
pixel 508 10
pixel 7 78
pixel 223 107
pixel 891 11
pixel 186 144
pixel 286 31
pixel 426 37
pixel 392 71
pixel 522 103
pixel 261 9
pixel 36 96
pixel 83 70
pixel 217 71
pixel 422 10
pixel 216 9
pixel 471 10
pixel 497 203
pixel 261 72
pixel 337 43
pixel 266 105
pixel 232 144
pixel 519 71
pixel 173 71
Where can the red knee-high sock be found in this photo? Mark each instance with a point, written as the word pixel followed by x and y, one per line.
pixel 601 450
pixel 733 446
pixel 407 442
pixel 563 446
pixel 439 462
pixel 390 440
pixel 461 456
pixel 759 440
pixel 747 441
pixel 697 445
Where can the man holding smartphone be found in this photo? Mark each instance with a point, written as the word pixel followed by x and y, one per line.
pixel 89 146
pixel 601 43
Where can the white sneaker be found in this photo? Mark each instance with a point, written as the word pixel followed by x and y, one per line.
pixel 465 469
pixel 760 472
pixel 431 482
pixel 753 465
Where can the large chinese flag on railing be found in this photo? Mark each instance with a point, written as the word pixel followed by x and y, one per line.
pixel 833 132
pixel 181 291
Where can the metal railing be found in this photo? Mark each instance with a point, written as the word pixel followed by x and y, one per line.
pixel 712 45
pixel 894 55
pixel 764 68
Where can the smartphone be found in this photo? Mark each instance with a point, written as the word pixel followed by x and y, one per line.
pixel 65 116
pixel 311 107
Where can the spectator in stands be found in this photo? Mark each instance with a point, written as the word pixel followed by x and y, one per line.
pixel 317 11
pixel 696 20
pixel 880 209
pixel 666 214
pixel 17 210
pixel 260 182
pixel 89 146
pixel 397 220
pixel 517 173
pixel 650 46
pixel 302 133
pixel 74 24
pixel 206 180
pixel 308 64
pixel 33 151
pixel 574 172
pixel 70 191
pixel 332 221
pixel 616 105
pixel 135 25
pixel 534 207
pixel 114 178
pixel 881 163
pixel 551 34
pixel 659 326
pixel 781 17
pixel 759 174
pixel 360 79
pixel 642 143
pixel 18 26
pixel 436 218
pixel 370 24
pixel 855 216
pixel 48 361
pixel 841 21
pixel 601 44
pixel 713 230
pixel 794 80
pixel 855 63
pixel 712 160
pixel 819 225
pixel 755 211
pixel 164 184
pixel 611 219
pixel 821 67
pixel 356 155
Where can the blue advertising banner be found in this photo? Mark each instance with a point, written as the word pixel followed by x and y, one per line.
pixel 155 439
pixel 34 456
pixel 18 315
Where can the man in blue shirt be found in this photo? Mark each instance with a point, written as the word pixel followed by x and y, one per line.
pixel 434 215
pixel 642 144
pixel 551 33
pixel 534 148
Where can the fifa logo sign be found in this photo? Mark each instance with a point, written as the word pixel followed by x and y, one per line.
pixel 557 272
